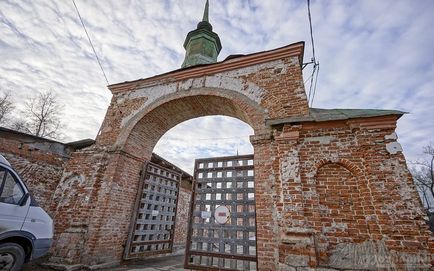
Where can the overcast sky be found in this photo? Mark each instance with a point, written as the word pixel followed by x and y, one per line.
pixel 372 54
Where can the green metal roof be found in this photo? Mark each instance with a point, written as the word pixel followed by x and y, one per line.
pixel 320 115
pixel 202 45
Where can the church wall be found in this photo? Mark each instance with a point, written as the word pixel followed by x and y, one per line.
pixel 276 85
pixel 359 207
pixel 39 162
pixel 182 217
pixel 87 184
pixel 324 191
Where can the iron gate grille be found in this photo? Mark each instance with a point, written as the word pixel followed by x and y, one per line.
pixel 224 181
pixel 154 222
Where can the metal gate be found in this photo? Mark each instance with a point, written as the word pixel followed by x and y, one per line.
pixel 222 230
pixel 153 224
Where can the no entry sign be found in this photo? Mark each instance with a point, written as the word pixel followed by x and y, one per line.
pixel 222 214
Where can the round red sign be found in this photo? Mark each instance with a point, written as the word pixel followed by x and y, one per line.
pixel 222 214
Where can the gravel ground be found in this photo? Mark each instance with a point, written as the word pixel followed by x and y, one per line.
pixel 169 263
pixel 35 265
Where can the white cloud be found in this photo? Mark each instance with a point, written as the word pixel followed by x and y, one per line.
pixel 373 54
pixel 204 137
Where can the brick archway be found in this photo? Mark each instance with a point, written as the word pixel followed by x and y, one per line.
pixel 139 114
pixel 243 91
pixel 168 111
pixel 347 164
pixel 144 130
pixel 341 202
pixel 266 91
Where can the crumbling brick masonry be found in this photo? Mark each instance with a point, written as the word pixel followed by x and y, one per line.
pixel 332 187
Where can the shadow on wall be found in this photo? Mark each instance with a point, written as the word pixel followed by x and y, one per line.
pixel 430 221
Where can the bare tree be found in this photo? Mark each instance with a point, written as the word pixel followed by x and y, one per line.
pixel 6 107
pixel 42 116
pixel 423 175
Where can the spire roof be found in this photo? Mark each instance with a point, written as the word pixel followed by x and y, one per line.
pixel 202 45
pixel 206 12
pixel 205 19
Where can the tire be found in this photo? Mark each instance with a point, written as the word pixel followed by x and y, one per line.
pixel 11 257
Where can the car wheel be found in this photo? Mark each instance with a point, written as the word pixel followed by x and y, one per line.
pixel 11 257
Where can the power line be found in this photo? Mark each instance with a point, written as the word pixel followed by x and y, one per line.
pixel 314 88
pixel 315 69
pixel 311 31
pixel 223 138
pixel 90 41
pixel 305 81
pixel 217 138
pixel 312 76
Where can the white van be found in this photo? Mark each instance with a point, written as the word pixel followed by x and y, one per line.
pixel 26 230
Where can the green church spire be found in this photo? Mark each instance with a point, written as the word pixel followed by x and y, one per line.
pixel 202 45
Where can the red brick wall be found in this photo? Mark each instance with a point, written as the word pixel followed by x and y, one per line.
pixel 182 217
pixel 346 200
pixel 40 169
pixel 341 209
pixel 297 170
pixel 98 189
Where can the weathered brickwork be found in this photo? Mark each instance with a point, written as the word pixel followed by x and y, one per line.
pixel 357 206
pixel 38 161
pixel 182 217
pixel 41 163
pixel 81 191
pixel 331 193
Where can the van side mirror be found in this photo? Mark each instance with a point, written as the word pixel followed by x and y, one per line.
pixel 24 199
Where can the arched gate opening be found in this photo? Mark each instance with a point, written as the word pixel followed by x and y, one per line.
pixel 220 188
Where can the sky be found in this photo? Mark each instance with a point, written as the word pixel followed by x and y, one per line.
pixel 372 54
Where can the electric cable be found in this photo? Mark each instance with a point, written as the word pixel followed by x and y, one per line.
pixel 312 87
pixel 311 31
pixel 311 83
pixel 218 138
pixel 90 41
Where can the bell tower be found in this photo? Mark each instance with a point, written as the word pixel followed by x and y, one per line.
pixel 202 45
